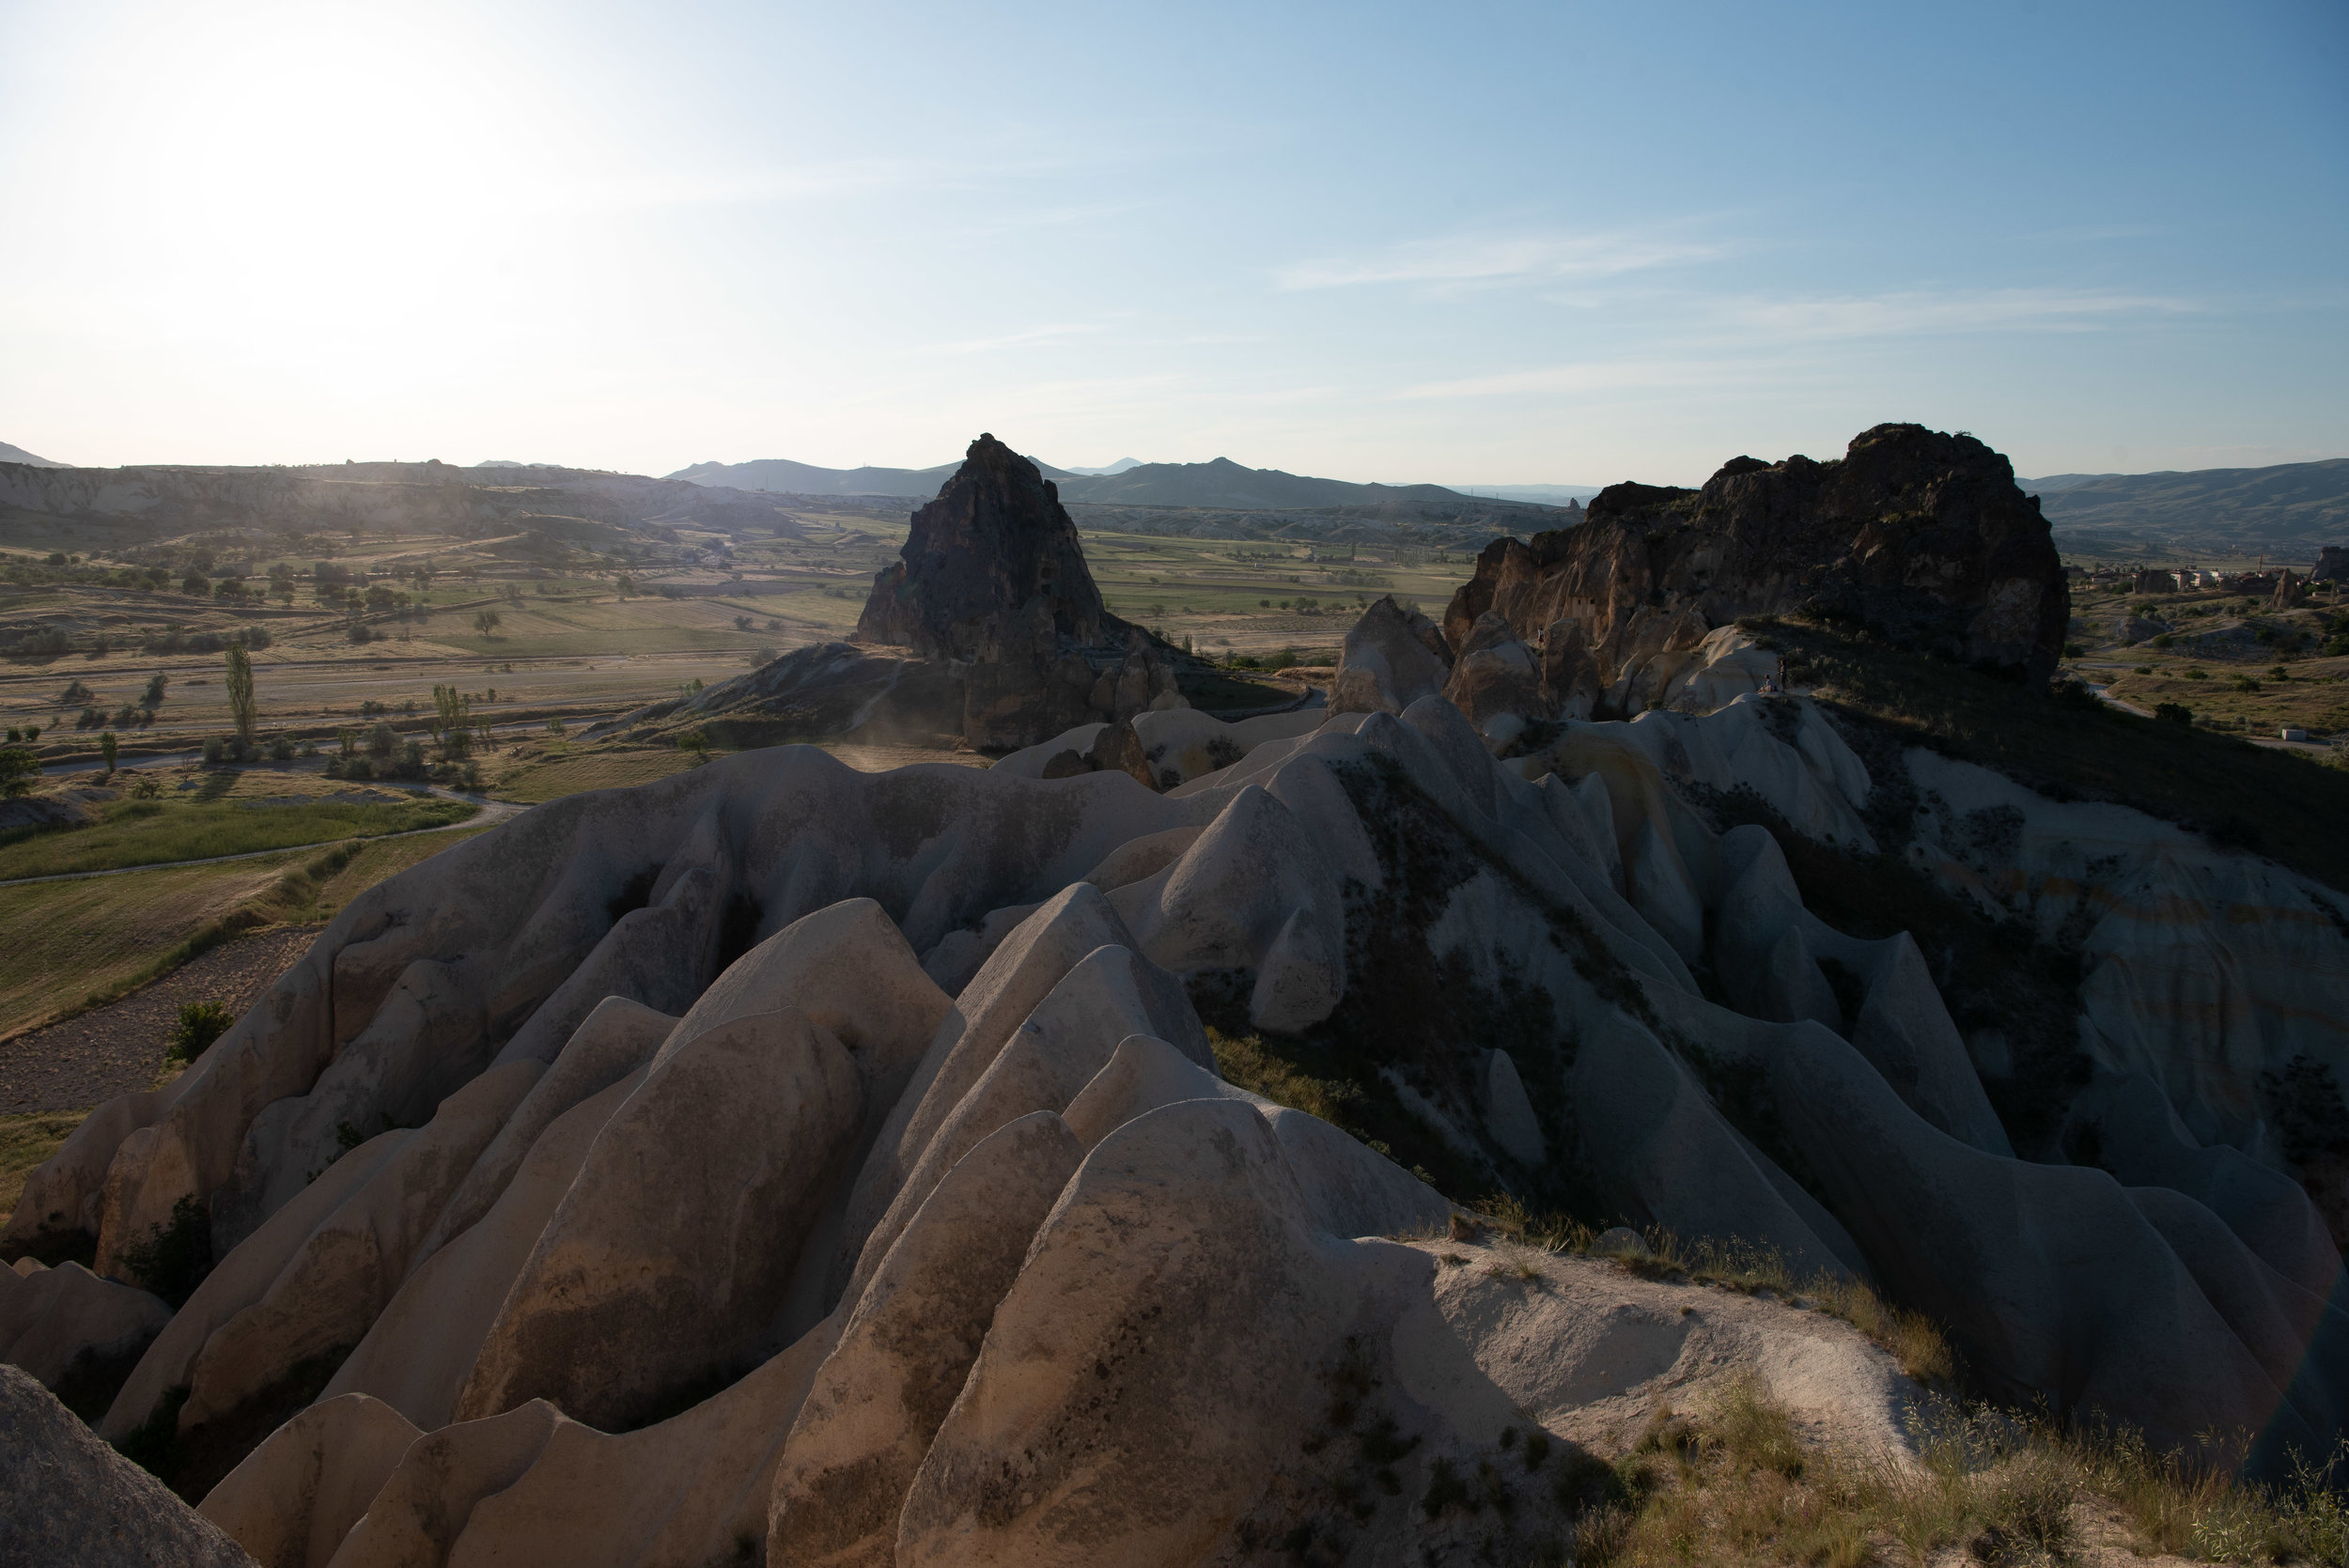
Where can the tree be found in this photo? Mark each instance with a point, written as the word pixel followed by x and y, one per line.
pixel 487 622
pixel 153 695
pixel 18 769
pixel 106 750
pixel 243 712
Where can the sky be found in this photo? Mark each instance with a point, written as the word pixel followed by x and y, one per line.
pixel 1463 243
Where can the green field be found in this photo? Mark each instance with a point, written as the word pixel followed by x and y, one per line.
pixel 64 946
pixel 162 832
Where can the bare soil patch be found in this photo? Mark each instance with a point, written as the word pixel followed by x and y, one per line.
pixel 118 1048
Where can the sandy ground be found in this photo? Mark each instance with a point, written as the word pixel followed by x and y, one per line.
pixel 118 1048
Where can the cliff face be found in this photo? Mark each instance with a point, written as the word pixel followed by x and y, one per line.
pixel 993 570
pixel 1922 535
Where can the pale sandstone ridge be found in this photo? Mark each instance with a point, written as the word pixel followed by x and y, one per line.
pixel 789 1162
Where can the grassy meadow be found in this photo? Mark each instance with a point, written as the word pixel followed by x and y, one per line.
pixel 66 946
pixel 226 813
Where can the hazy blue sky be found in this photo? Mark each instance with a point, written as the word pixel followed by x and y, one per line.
pixel 1458 242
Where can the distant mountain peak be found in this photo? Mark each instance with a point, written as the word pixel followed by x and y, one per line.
pixel 18 455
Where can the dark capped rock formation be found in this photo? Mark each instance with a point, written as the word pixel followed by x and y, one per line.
pixel 1919 533
pixel 993 579
pixel 993 570
pixel 2332 565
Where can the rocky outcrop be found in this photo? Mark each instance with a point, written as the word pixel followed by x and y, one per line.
pixel 992 569
pixel 988 631
pixel 1922 535
pixel 1393 658
pixel 992 581
pixel 902 1212
pixel 2332 565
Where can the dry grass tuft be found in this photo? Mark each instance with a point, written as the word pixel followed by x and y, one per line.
pixel 1737 1484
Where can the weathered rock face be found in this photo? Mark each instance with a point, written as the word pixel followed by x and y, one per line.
pixel 931 1227
pixel 992 586
pixel 993 569
pixel 2332 565
pixel 65 1497
pixel 1922 534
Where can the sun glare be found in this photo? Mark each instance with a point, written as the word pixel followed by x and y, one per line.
pixel 302 182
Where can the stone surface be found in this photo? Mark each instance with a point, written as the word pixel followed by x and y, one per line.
pixel 908 1342
pixel 1393 658
pixel 65 1497
pixel 293 1500
pixel 1003 1190
pixel 1924 535
pixel 50 1317
pixel 644 1280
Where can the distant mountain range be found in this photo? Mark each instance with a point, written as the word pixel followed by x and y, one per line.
pixel 18 455
pixel 1222 484
pixel 2286 510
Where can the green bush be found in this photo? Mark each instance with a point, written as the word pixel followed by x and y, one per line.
pixel 199 1024
pixel 2175 713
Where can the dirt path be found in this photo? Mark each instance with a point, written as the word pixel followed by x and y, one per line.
pixel 113 1050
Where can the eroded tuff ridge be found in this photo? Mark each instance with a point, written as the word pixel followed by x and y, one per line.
pixel 870 1193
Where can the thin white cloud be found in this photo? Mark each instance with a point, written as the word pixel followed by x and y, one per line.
pixel 1497 258
pixel 1752 336
pixel 1921 312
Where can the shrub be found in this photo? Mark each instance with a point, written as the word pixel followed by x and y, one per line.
pixel 2174 713
pixel 2163 640
pixel 174 1258
pixel 281 749
pixel 215 750
pixel 199 1024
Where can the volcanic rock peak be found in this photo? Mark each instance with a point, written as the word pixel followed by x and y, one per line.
pixel 992 569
